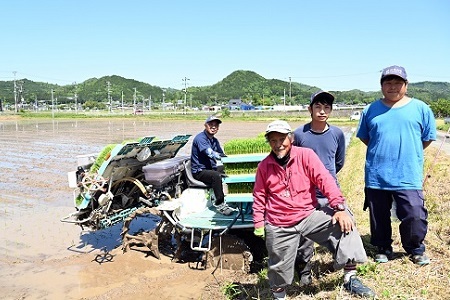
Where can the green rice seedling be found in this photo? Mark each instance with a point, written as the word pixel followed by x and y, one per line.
pixel 247 146
pixel 102 156
pixel 240 188
pixel 105 153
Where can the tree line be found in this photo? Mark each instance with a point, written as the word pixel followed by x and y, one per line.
pixel 248 86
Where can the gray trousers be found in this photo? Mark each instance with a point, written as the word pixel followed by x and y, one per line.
pixel 282 245
pixel 306 246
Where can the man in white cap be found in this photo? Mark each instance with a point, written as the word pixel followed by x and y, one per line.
pixel 206 151
pixel 396 130
pixel 284 209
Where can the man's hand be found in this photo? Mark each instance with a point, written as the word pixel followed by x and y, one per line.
pixel 217 155
pixel 260 232
pixel 344 220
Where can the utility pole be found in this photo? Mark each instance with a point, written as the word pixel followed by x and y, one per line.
pixel 163 99
pixel 122 104
pixel 53 113
pixel 150 103
pixel 76 98
pixel 290 90
pixel 185 79
pixel 109 95
pixel 15 94
pixel 20 96
pixel 134 101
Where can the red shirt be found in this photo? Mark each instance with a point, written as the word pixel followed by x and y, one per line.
pixel 283 197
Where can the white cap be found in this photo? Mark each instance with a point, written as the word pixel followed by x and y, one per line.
pixel 278 126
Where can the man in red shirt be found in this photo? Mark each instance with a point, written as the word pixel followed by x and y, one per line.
pixel 284 209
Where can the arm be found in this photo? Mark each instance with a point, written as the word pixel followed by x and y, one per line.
pixel 215 151
pixel 363 130
pixel 340 153
pixel 212 154
pixel 321 177
pixel 327 185
pixel 259 198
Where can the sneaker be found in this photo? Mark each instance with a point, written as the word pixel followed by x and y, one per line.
pixel 356 287
pixel 280 295
pixel 420 260
pixel 304 273
pixel 224 209
pixel 384 255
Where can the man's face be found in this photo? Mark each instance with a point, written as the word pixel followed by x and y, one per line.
pixel 212 127
pixel 394 89
pixel 320 111
pixel 280 143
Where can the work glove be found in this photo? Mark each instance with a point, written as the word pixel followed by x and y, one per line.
pixel 260 232
pixel 217 156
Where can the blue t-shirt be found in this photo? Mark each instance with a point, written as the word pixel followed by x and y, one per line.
pixel 205 151
pixel 328 145
pixel 394 158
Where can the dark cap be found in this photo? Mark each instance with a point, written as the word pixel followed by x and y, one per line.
pixel 394 71
pixel 213 118
pixel 319 95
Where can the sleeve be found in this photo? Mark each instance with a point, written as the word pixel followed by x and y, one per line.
pixel 220 150
pixel 296 138
pixel 322 178
pixel 340 152
pixel 363 131
pixel 212 154
pixel 259 197
pixel 429 125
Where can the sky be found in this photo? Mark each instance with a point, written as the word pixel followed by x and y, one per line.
pixel 335 45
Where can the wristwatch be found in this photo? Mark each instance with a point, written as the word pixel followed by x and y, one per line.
pixel 339 207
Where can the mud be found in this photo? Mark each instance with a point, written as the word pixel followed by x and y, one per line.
pixel 42 258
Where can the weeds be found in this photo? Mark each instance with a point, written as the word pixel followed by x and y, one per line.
pixel 231 290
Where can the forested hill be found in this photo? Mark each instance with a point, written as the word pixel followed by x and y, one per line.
pixel 246 85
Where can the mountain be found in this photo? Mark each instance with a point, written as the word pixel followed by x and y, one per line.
pixel 246 85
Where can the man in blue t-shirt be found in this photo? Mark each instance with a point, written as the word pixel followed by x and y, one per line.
pixel 396 130
pixel 206 151
pixel 328 142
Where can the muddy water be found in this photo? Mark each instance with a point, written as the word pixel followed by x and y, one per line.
pixel 36 156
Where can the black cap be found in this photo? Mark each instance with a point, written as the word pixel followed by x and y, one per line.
pixel 329 98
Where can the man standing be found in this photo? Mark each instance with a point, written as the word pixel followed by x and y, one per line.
pixel 396 130
pixel 206 151
pixel 328 142
pixel 284 209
